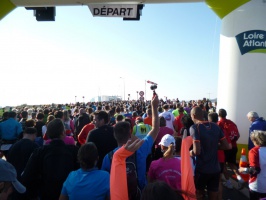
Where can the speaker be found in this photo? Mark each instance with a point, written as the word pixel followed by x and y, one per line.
pixel 45 14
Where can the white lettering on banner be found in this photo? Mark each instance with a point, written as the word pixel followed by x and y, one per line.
pixel 253 43
pixel 114 10
pixel 253 36
pixel 251 40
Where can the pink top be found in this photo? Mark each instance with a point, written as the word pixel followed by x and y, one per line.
pixel 167 170
pixel 69 140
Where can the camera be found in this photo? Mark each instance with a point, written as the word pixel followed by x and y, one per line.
pixel 153 87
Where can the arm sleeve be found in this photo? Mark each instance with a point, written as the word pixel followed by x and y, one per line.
pixel 187 178
pixel 194 134
pixel 64 190
pixel 254 164
pixel 19 129
pixel 82 136
pixel 118 178
pixel 145 149
pixel 106 165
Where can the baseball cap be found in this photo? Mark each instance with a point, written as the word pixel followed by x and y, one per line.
pixel 167 140
pixel 9 174
pixel 139 119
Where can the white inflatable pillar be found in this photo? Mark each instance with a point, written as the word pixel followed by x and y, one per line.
pixel 242 65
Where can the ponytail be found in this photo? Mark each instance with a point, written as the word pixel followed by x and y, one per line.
pixel 170 151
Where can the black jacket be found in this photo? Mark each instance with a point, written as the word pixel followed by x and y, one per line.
pixel 49 167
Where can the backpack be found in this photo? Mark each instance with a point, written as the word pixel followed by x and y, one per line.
pixel 132 176
pixel 231 130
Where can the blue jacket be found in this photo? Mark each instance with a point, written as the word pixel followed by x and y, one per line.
pixel 10 129
pixel 258 124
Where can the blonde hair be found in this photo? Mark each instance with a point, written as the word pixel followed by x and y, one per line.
pixel 259 137
pixel 50 118
pixel 169 152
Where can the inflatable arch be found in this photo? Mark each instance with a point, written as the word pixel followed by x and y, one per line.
pixel 242 65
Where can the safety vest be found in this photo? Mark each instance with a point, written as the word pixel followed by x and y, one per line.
pixel 142 130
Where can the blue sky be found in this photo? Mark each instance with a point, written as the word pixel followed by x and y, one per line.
pixel 174 45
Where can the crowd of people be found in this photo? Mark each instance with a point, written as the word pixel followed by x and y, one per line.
pixel 126 150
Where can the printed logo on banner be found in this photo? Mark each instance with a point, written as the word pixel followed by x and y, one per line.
pixel 253 41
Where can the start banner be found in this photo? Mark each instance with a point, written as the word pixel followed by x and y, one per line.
pixel 114 10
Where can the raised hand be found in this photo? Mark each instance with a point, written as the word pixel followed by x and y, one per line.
pixel 133 145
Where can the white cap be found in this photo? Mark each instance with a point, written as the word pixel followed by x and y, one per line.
pixel 167 140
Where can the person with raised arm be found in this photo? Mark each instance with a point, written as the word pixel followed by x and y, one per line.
pixel 122 135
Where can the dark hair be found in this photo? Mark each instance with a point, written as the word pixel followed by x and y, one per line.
pixel 40 116
pixel 111 113
pixel 30 123
pixel 12 114
pixel 59 114
pixel 180 109
pixel 24 114
pixel 165 106
pixel 5 115
pixel 160 191
pixel 119 118
pixel 30 130
pixel 213 117
pixel 33 114
pixel 222 113
pixel 55 128
pixel 187 121
pixel 134 114
pixel 102 115
pixel 46 111
pixel 122 132
pixel 90 110
pixel 149 111
pixel 117 109
pixel 88 155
